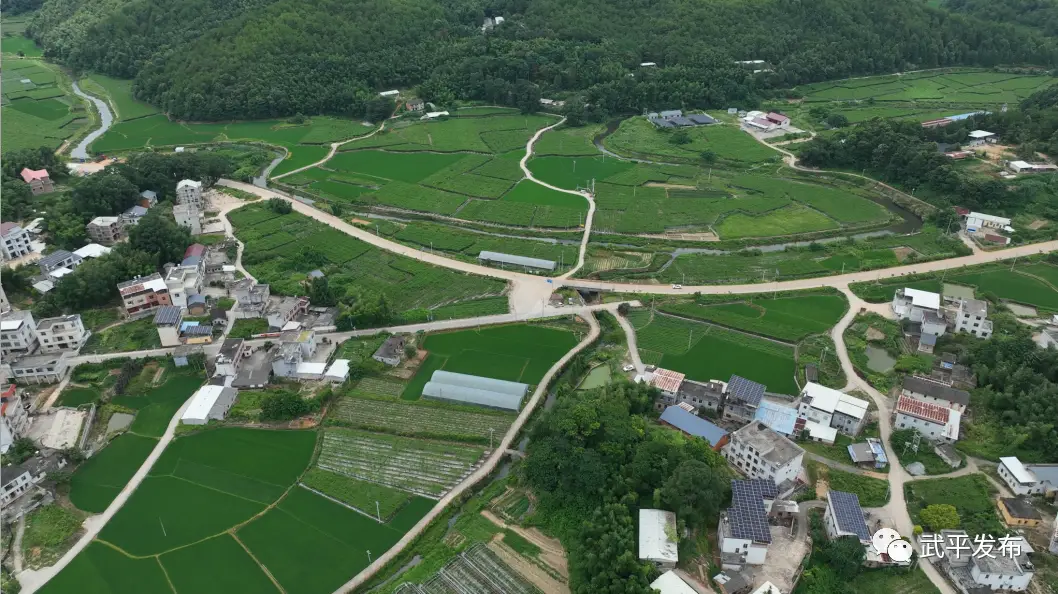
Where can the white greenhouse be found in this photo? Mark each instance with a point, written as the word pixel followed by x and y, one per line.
pixel 473 389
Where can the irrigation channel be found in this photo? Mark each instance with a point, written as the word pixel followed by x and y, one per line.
pixel 261 181
pixel 106 119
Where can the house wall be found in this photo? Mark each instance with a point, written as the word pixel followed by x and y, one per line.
pixel 59 337
pixel 391 361
pixel 1016 487
pixel 807 411
pixel 146 301
pixel 16 488
pixel 848 424
pixel 281 368
pixel 997 581
pixel 741 456
pixel 44 374
pixel 169 335
pixel 1013 521
pixel 972 324
pixel 928 429
pixel 20 341
pixel 16 244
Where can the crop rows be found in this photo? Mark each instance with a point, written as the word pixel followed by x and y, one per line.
pixel 499 211
pixel 420 419
pixel 336 245
pixel 382 387
pixel 476 571
pixel 413 197
pixel 422 467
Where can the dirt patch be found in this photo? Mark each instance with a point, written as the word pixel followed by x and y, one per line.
pixel 902 253
pixel 356 221
pixel 874 334
pixel 540 578
pixel 670 186
pixel 822 487
pixel 551 551
pixel 1038 224
pixel 993 152
pixel 701 236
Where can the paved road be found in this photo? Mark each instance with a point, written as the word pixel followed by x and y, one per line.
pixel 479 474
pixel 897 506
pixel 633 349
pixel 31 579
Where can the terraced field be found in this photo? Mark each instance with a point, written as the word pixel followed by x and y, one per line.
pixel 38 110
pixel 425 419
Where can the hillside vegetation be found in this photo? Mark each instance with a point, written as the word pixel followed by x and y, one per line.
pixel 213 60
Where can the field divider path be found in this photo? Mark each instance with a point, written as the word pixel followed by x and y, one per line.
pixel 896 508
pixel 32 580
pixel 333 150
pixel 485 469
pixel 523 163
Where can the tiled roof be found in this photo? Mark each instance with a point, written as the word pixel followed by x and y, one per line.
pixel 29 175
pixel 666 380
pixel 693 425
pixel 921 385
pixel 923 410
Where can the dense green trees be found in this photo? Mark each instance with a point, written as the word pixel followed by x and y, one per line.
pixel 595 460
pixel 158 235
pixel 206 60
pixel 939 516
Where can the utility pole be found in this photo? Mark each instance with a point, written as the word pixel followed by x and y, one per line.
pixel 369 557
pixel 1013 263
pixel 491 432
pixel 378 512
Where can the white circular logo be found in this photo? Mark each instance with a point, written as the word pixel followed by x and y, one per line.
pixel 883 538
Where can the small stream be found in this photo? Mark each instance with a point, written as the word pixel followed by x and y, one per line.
pixel 106 119
pixel 261 181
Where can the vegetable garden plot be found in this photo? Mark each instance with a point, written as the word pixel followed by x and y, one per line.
pixel 421 419
pixel 370 498
pixel 421 198
pixel 379 386
pixel 426 468
pixel 476 570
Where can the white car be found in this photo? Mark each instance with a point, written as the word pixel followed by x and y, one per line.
pixel 629 368
pixel 677 286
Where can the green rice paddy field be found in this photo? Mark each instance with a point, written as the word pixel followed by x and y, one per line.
pixel 1029 283
pixel 276 246
pixel 976 87
pixel 706 352
pixel 788 318
pixel 516 352
pixel 202 521
pixel 37 110
pixel 637 137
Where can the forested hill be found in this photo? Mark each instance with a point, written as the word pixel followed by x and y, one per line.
pixel 221 59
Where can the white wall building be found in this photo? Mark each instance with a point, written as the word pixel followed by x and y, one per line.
pixel 912 304
pixel 17 334
pixel 972 317
pixel 229 357
pixel 934 392
pixel 186 215
pixel 744 533
pixel 935 423
pixel 762 453
pixel 209 403
pixel 167 319
pixel 13 418
pixel 670 582
pixel 189 191
pixel 1028 479
pixel 978 221
pixel 183 282
pixel 981 138
pixel 657 534
pixel 15 242
pixel 45 368
pixel 826 406
pixel 62 333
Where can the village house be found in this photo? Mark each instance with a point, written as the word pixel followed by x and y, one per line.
pixel 183 282
pixel 1028 479
pixel 415 105
pixel 148 199
pixel 251 299
pixel 59 259
pixel 105 230
pixel 936 423
pixel 189 191
pixel 390 352
pixel 657 538
pixel 690 424
pixel 980 138
pixel 209 403
pixel 143 294
pixel 666 381
pixel 829 407
pixel 935 392
pixel 743 532
pixel 1018 511
pixel 978 221
pixel 229 357
pixel 38 180
pixel 844 517
pixel 167 320
pixel 1019 166
pixel 44 368
pixel 742 398
pixel 972 317
pixel 92 250
pixel 17 334
pixel 132 216
pixel 915 305
pixel 1000 571
pixel 15 241
pixel 708 395
pixel 759 452
pixel 187 216
pixel 868 454
pixel 62 333
pixel 13 418
pixel 285 309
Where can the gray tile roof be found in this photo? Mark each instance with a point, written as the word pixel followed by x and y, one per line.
pixel 936 390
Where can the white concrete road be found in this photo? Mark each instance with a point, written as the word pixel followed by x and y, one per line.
pixel 32 579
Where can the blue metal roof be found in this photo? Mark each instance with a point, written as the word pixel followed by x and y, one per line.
pixel 780 418
pixel 693 425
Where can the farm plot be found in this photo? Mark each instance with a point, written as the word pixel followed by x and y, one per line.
pixel 37 111
pixel 477 570
pixel 370 498
pixel 217 565
pixel 426 468
pixel 409 286
pixel 96 483
pixel 789 220
pixel 569 141
pixel 637 137
pixel 100 569
pixel 572 173
pixel 786 318
pixel 496 133
pixel 706 352
pixel 842 206
pixel 427 419
pixel 958 86
pixel 119 93
pixel 533 193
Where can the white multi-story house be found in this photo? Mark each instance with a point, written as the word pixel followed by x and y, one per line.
pixel 826 406
pixel 744 533
pixel 229 357
pixel 105 230
pixel 15 241
pixel 1028 479
pixel 17 335
pixel 62 333
pixel 144 294
pixel 1002 570
pixel 184 281
pixel 936 423
pixel 935 392
pixel 912 304
pixel 760 452
pixel 189 191
pixel 13 418
pixel 285 309
pixel 5 305
pixel 186 215
pixel 972 317
pixel 251 299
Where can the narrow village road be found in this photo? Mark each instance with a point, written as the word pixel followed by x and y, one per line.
pixel 896 508
pixel 32 579
pixel 633 348
pixel 483 471
pixel 332 151
pixel 524 164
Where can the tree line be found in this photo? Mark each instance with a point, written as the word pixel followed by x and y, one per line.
pixel 594 460
pixel 205 60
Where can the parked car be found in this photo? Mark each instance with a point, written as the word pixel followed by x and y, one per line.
pixel 677 286
pixel 629 367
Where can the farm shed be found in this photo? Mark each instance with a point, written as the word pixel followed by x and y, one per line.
pixel 655 543
pixel 671 583
pixel 391 351
pixel 338 372
pixel 473 389
pixel 496 257
pixel 209 403
pixel 310 371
